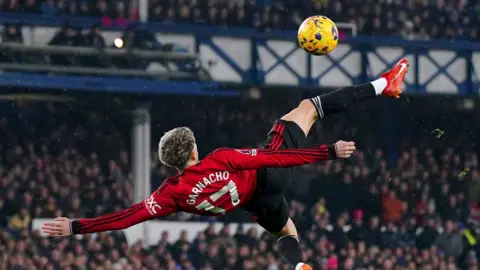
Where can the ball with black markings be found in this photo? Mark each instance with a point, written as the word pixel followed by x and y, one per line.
pixel 318 35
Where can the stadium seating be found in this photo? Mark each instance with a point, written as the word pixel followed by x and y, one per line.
pixel 446 19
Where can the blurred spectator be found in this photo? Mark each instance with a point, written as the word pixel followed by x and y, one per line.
pixel 449 241
pixel 49 8
pixel 19 221
pixel 83 9
pixel 358 232
pixel 93 38
pixel 338 236
pixel 474 217
pixel 11 6
pixel 393 207
pixel 31 6
pixel 65 37
pixel 62 8
pixel 427 235
pixel 474 187
pixel 374 233
pixel 11 34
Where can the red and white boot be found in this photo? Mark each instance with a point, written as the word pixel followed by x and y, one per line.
pixel 395 78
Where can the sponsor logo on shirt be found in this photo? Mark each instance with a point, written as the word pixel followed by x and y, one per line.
pixel 152 205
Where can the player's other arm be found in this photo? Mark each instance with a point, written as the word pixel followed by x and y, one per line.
pixel 258 158
pixel 153 207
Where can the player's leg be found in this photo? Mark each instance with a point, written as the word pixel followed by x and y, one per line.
pixel 313 109
pixel 267 204
pixel 271 212
pixel 289 246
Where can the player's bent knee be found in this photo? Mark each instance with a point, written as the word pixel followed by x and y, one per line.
pixel 288 230
pixel 304 115
pixel 306 104
pixel 304 110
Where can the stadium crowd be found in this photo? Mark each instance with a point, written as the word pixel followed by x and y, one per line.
pixel 419 212
pixel 412 19
pixel 111 12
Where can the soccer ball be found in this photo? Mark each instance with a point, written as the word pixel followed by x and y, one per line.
pixel 318 35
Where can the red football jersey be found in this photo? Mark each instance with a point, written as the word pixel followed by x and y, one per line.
pixel 223 180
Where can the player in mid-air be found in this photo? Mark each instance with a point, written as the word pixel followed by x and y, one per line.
pixel 253 179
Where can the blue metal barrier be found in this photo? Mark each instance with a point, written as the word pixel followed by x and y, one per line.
pixel 253 57
pixel 23 82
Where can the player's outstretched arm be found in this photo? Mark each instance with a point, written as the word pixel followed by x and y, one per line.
pixel 153 207
pixel 62 226
pixel 258 158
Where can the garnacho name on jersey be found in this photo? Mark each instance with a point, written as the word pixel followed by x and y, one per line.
pixel 205 182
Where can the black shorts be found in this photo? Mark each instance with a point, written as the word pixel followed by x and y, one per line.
pixel 268 204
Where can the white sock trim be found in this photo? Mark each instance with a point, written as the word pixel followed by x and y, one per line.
pixel 379 85
pixel 317 102
pixel 294 236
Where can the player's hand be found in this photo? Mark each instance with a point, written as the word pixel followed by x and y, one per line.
pixel 58 228
pixel 344 149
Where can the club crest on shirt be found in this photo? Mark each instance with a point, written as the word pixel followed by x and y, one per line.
pixel 250 152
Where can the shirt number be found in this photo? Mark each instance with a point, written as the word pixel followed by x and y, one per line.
pixel 230 188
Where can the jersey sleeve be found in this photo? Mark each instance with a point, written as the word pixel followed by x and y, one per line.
pixel 258 158
pixel 160 203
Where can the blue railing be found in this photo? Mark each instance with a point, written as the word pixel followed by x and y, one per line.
pixel 254 57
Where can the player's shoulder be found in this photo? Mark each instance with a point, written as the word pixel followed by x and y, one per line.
pixel 217 153
pixel 215 160
pixel 170 182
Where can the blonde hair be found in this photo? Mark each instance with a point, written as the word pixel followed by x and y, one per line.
pixel 175 147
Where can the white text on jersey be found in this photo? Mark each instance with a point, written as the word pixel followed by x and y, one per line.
pixel 206 181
